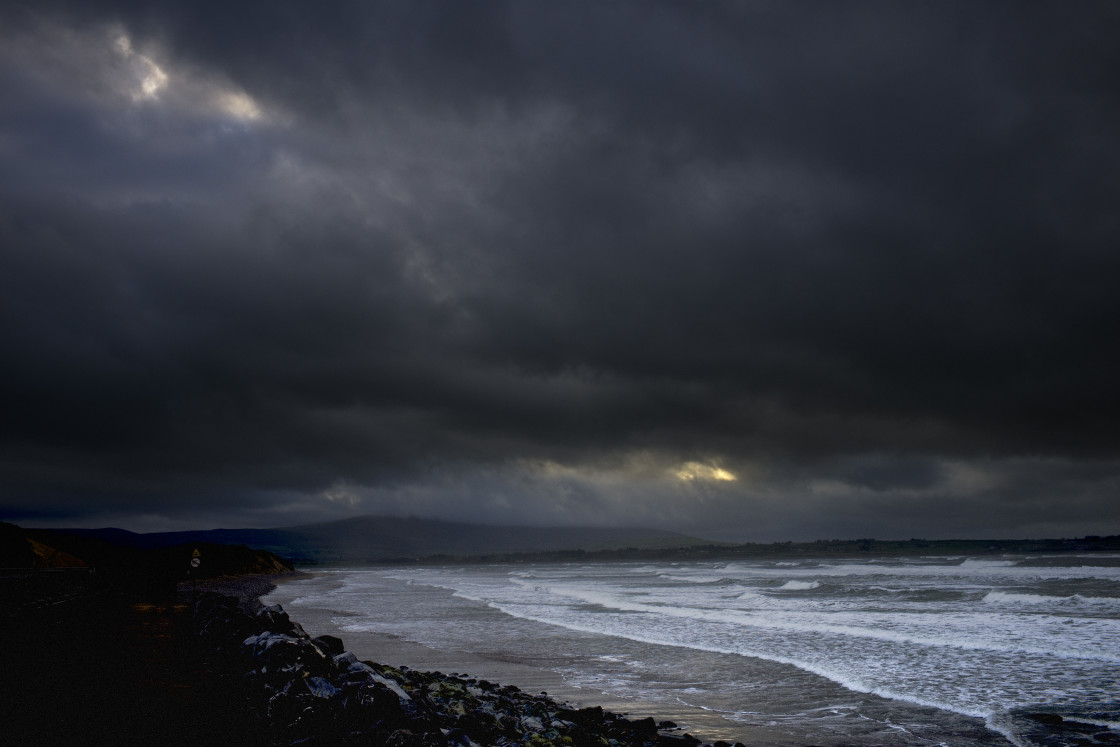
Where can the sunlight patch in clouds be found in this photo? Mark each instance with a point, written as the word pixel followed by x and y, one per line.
pixel 238 105
pixel 151 79
pixel 187 91
pixel 690 471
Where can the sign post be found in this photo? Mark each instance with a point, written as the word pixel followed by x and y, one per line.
pixel 196 561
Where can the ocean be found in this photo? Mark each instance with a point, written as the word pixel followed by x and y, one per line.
pixel 892 651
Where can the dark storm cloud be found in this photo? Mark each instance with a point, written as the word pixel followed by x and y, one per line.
pixel 531 262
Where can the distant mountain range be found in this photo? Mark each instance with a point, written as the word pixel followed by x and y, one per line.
pixel 370 539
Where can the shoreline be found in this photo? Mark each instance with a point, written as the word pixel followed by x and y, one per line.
pixel 309 689
pixel 206 664
pixel 390 649
pixel 209 663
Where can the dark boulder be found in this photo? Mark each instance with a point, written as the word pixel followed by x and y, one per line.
pixel 583 717
pixel 482 726
pixel 279 657
pixel 372 704
pixel 275 619
pixel 330 644
pixel 644 728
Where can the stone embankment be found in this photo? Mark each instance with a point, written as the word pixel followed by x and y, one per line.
pixel 311 691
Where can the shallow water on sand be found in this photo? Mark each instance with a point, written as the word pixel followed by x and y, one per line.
pixel 930 650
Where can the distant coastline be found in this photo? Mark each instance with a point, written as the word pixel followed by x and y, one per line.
pixel 776 550
pixel 365 540
pixel 817 548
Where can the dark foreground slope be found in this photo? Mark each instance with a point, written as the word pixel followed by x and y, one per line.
pixel 100 645
pixel 207 669
pixel 111 668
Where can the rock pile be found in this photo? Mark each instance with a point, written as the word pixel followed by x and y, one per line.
pixel 311 691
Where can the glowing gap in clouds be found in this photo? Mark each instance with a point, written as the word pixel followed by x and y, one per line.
pixel 697 471
pixel 152 77
pixel 238 106
pixel 199 95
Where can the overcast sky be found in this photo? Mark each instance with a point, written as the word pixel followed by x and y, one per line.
pixel 755 271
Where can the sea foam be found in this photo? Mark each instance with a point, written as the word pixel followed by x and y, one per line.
pixel 799 585
pixel 977 637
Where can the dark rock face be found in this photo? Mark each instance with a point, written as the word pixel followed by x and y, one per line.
pixel 311 691
pixel 332 644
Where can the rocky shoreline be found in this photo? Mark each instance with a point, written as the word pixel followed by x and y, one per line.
pixel 299 690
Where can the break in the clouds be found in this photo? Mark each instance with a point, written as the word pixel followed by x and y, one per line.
pixel 755 271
